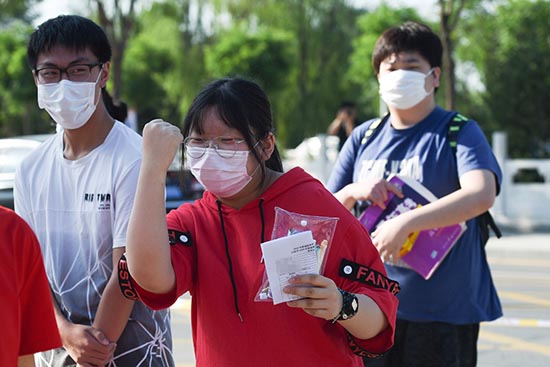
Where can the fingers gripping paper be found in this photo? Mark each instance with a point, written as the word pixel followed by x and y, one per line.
pixel 287 257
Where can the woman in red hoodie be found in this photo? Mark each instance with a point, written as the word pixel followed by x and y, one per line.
pixel 213 251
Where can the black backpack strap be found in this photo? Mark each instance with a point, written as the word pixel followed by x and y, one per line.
pixel 491 223
pixel 485 220
pixel 359 208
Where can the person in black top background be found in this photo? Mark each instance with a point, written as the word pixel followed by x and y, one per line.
pixel 344 122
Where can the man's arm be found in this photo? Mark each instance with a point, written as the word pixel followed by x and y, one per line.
pixel 374 191
pixel 349 124
pixel 334 126
pixel 25 361
pixel 475 196
pixel 86 345
pixel 114 309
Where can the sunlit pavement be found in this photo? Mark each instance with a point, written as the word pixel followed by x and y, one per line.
pixel 181 332
pixel 520 266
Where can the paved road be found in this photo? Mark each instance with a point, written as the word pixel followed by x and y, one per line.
pixel 181 332
pixel 521 271
pixel 520 266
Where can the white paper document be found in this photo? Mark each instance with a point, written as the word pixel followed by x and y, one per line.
pixel 287 257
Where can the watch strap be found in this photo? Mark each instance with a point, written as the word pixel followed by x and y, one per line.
pixel 350 306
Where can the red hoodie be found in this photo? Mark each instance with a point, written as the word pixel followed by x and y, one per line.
pixel 224 281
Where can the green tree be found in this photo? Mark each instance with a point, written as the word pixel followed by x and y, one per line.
pixel 321 32
pixel 19 113
pixel 118 25
pixel 510 48
pixel 16 9
pixel 164 67
pixel 451 13
pixel 150 67
pixel 449 16
pixel 263 56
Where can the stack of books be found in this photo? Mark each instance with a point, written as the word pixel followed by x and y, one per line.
pixel 423 251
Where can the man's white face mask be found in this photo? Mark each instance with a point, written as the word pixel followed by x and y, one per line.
pixel 70 104
pixel 403 89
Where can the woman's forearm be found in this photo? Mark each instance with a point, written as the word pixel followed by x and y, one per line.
pixel 147 248
pixel 369 321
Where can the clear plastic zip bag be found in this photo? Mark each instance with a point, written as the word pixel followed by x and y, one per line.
pixel 287 223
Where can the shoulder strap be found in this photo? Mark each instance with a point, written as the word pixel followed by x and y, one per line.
pixel 373 126
pixel 454 127
pixel 486 219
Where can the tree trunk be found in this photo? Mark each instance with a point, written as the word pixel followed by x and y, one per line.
pixel 118 30
pixel 448 61
pixel 116 73
pixel 449 15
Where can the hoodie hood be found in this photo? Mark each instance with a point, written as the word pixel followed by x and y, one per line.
pixel 288 181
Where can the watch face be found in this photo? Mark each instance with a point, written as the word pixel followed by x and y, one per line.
pixel 354 305
pixel 350 307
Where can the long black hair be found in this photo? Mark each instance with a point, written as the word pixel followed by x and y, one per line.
pixel 242 105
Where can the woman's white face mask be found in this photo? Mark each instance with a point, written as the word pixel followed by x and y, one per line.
pixel 403 89
pixel 70 104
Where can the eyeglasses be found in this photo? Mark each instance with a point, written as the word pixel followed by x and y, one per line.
pixel 225 147
pixel 75 73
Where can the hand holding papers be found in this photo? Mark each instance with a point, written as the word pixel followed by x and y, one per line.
pixel 287 257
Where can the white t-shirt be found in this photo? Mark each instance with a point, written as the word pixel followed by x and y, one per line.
pixel 79 211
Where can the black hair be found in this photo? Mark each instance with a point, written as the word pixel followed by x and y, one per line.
pixel 408 37
pixel 242 105
pixel 70 31
pixel 348 107
pixel 118 111
pixel 347 104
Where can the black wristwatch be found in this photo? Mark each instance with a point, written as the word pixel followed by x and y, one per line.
pixel 350 306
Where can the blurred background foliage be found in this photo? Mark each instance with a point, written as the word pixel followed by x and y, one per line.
pixel 309 56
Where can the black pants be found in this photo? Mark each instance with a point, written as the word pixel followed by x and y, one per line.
pixel 431 344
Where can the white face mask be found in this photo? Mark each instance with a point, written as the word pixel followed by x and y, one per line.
pixel 403 89
pixel 70 104
pixel 224 177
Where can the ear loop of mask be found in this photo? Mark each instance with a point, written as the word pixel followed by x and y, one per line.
pixel 100 88
pixel 260 162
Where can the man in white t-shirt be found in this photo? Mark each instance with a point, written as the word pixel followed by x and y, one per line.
pixel 76 191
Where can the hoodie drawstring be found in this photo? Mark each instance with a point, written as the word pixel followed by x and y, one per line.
pixel 235 301
pixel 233 284
pixel 260 205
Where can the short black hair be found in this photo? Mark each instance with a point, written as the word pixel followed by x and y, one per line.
pixel 70 31
pixel 347 105
pixel 408 37
pixel 242 105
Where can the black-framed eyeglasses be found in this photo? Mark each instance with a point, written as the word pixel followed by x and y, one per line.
pixel 225 147
pixel 75 73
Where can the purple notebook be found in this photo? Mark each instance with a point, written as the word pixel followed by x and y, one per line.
pixel 425 250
